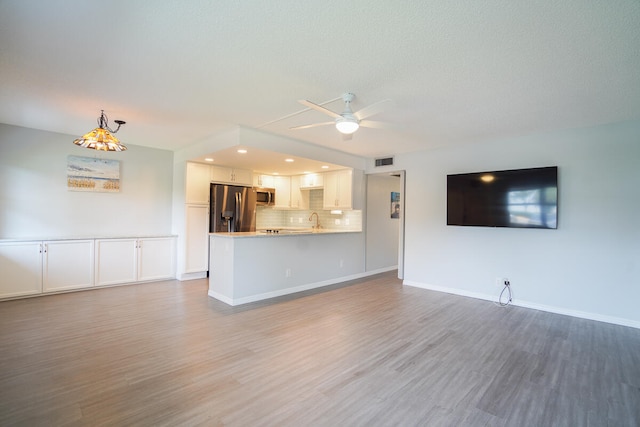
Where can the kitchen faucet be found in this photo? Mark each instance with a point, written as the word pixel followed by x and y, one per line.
pixel 317 226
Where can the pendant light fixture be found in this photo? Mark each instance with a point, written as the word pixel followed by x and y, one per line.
pixel 101 138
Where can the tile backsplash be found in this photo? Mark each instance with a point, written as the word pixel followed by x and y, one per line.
pixel 274 218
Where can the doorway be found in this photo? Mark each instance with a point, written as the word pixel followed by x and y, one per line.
pixel 385 219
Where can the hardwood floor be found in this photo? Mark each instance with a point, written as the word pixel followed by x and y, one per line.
pixel 367 353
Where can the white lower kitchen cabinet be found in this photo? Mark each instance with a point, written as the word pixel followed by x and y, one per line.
pixel 21 267
pixel 134 260
pixel 67 264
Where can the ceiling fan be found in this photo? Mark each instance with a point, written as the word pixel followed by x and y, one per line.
pixel 348 122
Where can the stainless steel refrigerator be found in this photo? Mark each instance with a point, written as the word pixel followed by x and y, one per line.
pixel 233 208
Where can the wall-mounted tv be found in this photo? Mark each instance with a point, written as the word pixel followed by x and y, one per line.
pixel 522 198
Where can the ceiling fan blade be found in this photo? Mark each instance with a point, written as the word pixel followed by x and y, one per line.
pixel 378 125
pixel 319 108
pixel 313 125
pixel 373 109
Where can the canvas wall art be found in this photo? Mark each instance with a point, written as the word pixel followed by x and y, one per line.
pixel 91 174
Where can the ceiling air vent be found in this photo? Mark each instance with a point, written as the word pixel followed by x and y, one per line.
pixel 387 161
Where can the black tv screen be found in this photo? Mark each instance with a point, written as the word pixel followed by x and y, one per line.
pixel 522 198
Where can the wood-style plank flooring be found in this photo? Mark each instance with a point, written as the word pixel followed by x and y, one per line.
pixel 366 353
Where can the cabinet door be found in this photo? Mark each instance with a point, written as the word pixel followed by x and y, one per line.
pixel 198 180
pixel 156 258
pixel 67 264
pixel 338 189
pixel 282 184
pixel 221 174
pixel 197 239
pixel 311 181
pixel 299 198
pixel 266 181
pixel 242 176
pixel 21 267
pixel 116 261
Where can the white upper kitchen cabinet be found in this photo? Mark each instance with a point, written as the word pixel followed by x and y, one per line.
pixel 299 197
pixel 227 175
pixel 67 264
pixel 21 267
pixel 282 185
pixel 265 181
pixel 338 189
pixel 311 181
pixel 198 180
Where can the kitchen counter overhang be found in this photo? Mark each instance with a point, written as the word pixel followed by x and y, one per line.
pixel 252 266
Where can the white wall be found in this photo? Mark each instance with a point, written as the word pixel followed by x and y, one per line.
pixel 382 231
pixel 35 202
pixel 588 267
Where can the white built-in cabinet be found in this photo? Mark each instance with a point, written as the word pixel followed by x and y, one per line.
pixel 338 189
pixel 197 183
pixel 196 239
pixel 36 267
pixel 134 260
pixel 231 175
pixel 21 267
pixel 33 267
pixel 67 264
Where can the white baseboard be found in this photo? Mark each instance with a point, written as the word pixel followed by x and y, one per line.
pixel 525 304
pixel 192 276
pixel 287 291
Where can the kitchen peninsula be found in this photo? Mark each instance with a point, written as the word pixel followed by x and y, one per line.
pixel 252 266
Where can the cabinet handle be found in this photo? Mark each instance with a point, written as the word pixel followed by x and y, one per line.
pixel 45 248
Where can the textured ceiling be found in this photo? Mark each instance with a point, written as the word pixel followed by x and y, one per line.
pixel 457 71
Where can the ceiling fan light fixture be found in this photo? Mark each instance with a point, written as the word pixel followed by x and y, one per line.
pixel 101 138
pixel 347 126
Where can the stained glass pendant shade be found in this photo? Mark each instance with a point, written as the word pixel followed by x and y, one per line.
pixel 101 138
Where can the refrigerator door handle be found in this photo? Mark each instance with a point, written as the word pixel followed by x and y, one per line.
pixel 238 224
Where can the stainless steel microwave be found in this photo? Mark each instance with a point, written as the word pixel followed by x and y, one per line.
pixel 265 196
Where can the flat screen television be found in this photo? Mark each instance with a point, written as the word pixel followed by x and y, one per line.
pixel 521 198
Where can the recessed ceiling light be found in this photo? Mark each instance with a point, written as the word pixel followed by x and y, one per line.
pixel 288 160
pixel 275 173
pixel 325 167
pixel 242 151
pixel 208 159
pixel 487 178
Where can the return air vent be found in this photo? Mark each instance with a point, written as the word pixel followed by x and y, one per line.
pixel 387 161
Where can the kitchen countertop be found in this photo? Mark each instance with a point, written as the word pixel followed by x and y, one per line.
pixel 283 232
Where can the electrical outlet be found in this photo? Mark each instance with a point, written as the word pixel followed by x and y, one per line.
pixel 337 221
pixel 299 220
pixel 287 272
pixel 341 263
pixel 501 281
pixel 346 221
